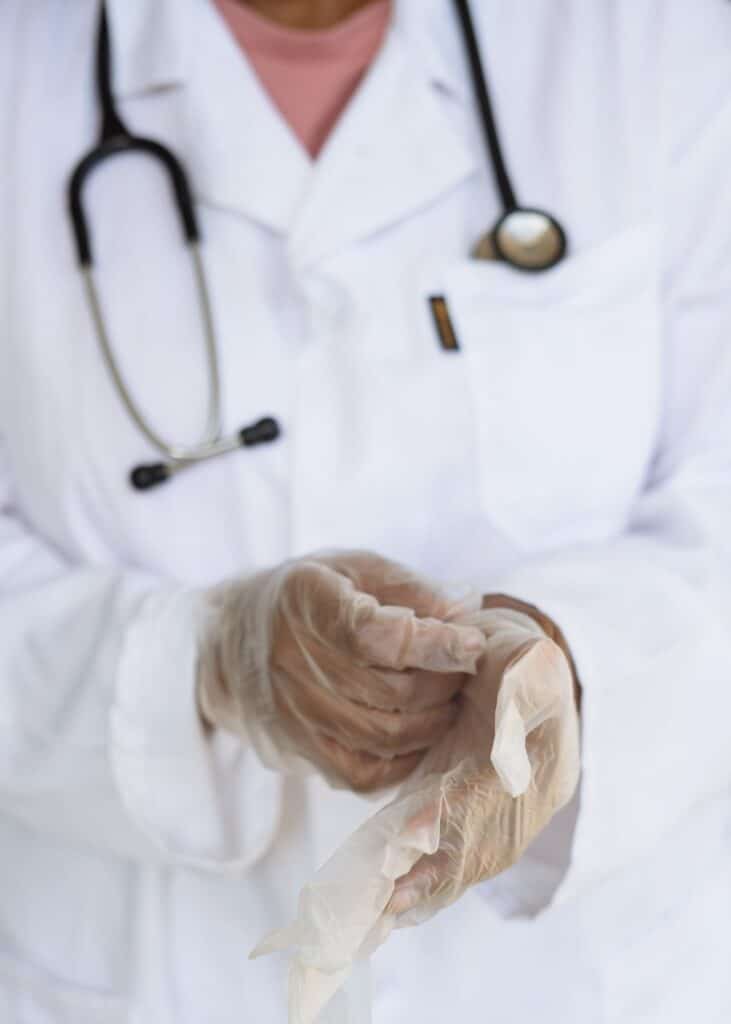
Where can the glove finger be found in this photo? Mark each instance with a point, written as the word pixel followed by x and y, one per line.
pixel 483 831
pixel 360 771
pixel 422 690
pixel 377 732
pixel 319 603
pixel 395 638
pixel 391 583
pixel 411 690
pixel 429 875
pixel 388 689
pixel 432 871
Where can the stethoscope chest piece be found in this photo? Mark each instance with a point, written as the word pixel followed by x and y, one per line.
pixel 526 239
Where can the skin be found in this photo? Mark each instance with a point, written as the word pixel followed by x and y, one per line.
pixel 306 14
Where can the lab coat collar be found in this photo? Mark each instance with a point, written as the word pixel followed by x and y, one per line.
pixel 432 31
pixel 374 170
pixel 398 146
pixel 153 43
pixel 242 154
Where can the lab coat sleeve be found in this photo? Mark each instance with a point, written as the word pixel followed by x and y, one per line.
pixel 648 614
pixel 100 740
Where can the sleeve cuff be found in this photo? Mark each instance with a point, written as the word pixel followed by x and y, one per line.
pixel 204 799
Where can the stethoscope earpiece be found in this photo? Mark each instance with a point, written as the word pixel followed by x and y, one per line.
pixel 530 240
pixel 148 475
pixel 144 477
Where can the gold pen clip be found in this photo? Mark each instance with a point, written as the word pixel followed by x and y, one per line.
pixel 443 323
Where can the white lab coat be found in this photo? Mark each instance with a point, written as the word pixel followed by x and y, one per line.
pixel 576 452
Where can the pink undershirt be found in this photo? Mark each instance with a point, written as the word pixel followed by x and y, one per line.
pixel 309 74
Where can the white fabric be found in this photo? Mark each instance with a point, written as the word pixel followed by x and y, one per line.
pixel 575 452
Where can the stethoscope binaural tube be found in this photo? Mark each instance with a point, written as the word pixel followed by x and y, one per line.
pixel 114 139
pixel 528 239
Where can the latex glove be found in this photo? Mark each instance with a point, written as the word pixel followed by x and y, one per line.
pixel 522 702
pixel 342 662
pixel 508 764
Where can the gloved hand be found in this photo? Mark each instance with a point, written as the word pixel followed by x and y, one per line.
pixel 342 661
pixel 477 799
pixel 521 705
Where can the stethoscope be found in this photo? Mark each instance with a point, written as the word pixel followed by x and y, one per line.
pixel 524 238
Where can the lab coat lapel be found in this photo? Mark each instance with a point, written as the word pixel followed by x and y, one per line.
pixel 395 150
pixel 184 79
pixel 244 156
pixel 151 44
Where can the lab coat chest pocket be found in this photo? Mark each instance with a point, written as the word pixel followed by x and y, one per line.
pixel 564 376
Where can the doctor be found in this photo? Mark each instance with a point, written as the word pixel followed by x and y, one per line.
pixel 560 437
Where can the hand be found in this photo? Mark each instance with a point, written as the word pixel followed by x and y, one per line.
pixel 488 809
pixel 344 661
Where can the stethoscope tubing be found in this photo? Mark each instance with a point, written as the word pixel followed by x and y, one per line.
pixel 115 139
pixel 487 116
pixel 212 432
